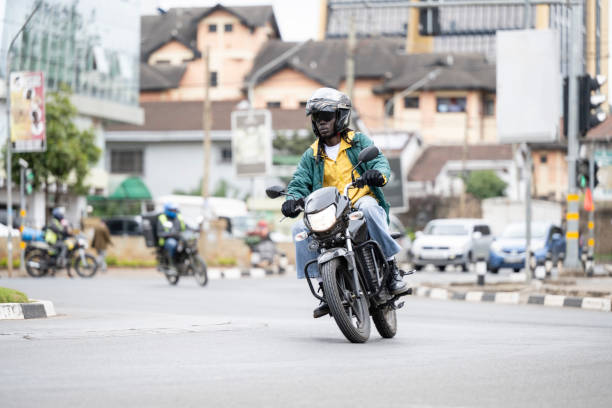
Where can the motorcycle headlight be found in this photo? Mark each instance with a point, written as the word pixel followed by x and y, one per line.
pixel 323 220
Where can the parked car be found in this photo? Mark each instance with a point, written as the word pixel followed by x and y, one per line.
pixel 453 241
pixel 508 251
pixel 124 225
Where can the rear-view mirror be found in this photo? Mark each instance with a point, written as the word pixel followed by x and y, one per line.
pixel 368 154
pixel 275 191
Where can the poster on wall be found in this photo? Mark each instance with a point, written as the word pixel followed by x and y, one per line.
pixel 28 130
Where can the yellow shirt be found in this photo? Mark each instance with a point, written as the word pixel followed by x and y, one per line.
pixel 337 174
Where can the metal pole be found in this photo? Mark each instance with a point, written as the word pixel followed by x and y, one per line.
pixel 9 146
pixel 22 170
pixel 591 225
pixel 572 263
pixel 528 271
pixel 350 58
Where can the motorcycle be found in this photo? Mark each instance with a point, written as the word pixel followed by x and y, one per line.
pixel 352 266
pixel 42 259
pixel 187 261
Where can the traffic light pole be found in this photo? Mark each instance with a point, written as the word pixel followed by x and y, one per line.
pixel 572 262
pixel 591 225
pixel 23 165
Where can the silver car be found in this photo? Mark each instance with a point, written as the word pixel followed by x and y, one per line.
pixel 453 241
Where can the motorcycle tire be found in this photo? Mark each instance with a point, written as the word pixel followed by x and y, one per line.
pixel 350 312
pixel 200 271
pixel 385 320
pixel 86 270
pixel 172 279
pixel 36 262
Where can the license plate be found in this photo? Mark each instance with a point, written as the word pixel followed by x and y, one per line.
pixel 513 259
pixel 435 255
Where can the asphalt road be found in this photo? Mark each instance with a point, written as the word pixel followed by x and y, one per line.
pixel 136 341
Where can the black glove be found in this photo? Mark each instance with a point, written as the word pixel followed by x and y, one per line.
pixel 292 208
pixel 373 178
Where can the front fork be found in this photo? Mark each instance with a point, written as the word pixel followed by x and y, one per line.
pixel 82 256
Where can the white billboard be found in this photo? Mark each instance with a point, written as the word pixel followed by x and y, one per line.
pixel 529 86
pixel 252 142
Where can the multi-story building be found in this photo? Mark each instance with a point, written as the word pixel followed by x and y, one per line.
pixel 83 45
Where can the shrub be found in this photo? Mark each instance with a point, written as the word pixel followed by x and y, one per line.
pixel 485 184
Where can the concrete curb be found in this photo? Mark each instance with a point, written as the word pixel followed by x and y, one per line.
pixel 37 309
pixel 515 298
pixel 238 273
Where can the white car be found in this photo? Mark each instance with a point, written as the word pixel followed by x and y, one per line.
pixel 453 241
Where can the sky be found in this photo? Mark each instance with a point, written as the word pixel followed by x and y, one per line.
pixel 298 20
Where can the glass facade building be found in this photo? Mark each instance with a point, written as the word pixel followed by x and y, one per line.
pixel 91 46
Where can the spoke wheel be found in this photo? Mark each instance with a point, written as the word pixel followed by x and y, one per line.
pixel 36 263
pixel 385 320
pixel 85 268
pixel 199 270
pixel 348 310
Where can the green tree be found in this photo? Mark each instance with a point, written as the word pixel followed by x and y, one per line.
pixel 485 184
pixel 292 143
pixel 70 151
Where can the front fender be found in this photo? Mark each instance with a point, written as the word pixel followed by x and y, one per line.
pixel 333 253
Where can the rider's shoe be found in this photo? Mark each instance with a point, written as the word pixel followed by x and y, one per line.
pixel 323 307
pixel 396 284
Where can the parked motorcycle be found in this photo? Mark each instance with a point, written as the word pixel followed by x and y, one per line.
pixel 42 259
pixel 187 261
pixel 352 266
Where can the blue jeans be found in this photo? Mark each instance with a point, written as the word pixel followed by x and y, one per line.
pixel 376 220
pixel 170 248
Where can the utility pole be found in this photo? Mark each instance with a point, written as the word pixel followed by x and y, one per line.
pixel 9 146
pixel 572 263
pixel 206 121
pixel 23 166
pixel 350 58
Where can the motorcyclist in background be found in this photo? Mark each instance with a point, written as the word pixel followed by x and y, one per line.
pixel 169 224
pixel 56 232
pixel 328 162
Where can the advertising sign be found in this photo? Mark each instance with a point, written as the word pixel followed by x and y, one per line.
pixel 528 86
pixel 251 142
pixel 28 131
pixel 603 191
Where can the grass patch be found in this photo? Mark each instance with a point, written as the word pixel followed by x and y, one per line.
pixel 129 263
pixel 12 296
pixel 224 261
pixel 4 263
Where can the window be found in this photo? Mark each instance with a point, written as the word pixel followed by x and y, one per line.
pixel 449 105
pixel 126 161
pixel 212 28
pixel 273 104
pixel 483 229
pixel 411 102
pixel 543 159
pixel 303 104
pixel 488 107
pixel 390 109
pixel 228 28
pixel 213 79
pixel 226 155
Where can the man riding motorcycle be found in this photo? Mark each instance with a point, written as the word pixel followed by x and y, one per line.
pixel 169 224
pixel 56 232
pixel 328 162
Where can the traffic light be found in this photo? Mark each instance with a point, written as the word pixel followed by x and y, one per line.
pixel 29 181
pixel 429 21
pixel 589 101
pixel 582 173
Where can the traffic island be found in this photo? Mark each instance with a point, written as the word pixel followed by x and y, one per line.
pixel 561 293
pixel 16 305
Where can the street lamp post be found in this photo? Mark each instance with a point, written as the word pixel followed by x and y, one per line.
pixel 9 145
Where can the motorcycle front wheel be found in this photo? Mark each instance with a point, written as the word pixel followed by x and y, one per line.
pixel 349 310
pixel 36 263
pixel 172 279
pixel 199 270
pixel 385 320
pixel 85 267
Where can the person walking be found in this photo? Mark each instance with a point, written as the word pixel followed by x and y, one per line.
pixel 100 242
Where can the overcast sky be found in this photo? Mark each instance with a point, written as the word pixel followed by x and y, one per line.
pixel 298 20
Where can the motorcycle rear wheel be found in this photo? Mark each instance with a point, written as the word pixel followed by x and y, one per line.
pixel 85 268
pixel 36 263
pixel 385 320
pixel 349 311
pixel 199 270
pixel 172 279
